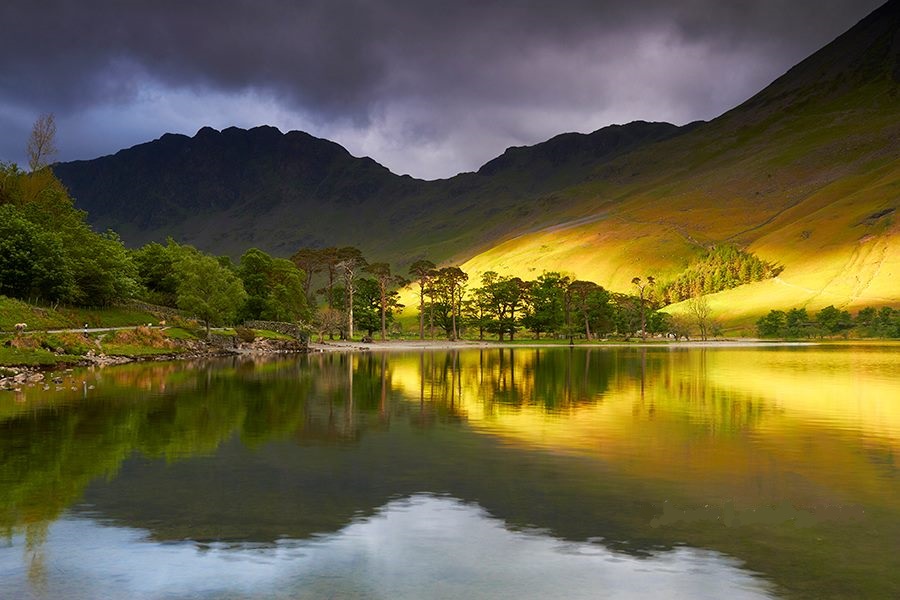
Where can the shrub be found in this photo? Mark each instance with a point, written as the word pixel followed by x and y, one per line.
pixel 143 336
pixel 245 334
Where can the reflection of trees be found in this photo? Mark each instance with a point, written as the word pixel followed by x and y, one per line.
pixel 555 379
pixel 50 454
pixel 676 385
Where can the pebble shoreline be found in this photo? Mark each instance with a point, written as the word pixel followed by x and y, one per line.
pixel 18 376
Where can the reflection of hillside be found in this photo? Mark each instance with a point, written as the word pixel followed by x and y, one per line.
pixel 717 419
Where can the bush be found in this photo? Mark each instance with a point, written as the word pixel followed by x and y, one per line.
pixel 245 334
pixel 190 325
pixel 142 336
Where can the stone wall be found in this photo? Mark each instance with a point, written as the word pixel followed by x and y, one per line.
pixel 166 311
pixel 291 329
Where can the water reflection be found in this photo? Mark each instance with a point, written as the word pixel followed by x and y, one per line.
pixel 418 547
pixel 579 443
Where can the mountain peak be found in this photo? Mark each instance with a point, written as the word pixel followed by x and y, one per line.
pixel 868 54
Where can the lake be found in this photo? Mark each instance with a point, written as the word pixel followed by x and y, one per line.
pixel 739 472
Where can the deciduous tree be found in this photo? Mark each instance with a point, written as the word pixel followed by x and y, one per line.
pixel 422 271
pixel 42 142
pixel 208 290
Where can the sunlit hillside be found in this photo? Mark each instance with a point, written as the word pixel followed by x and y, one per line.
pixel 805 174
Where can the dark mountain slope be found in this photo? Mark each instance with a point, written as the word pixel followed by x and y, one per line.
pixel 225 190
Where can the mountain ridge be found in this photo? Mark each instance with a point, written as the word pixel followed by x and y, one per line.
pixel 251 173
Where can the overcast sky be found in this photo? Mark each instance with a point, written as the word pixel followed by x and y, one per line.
pixel 425 87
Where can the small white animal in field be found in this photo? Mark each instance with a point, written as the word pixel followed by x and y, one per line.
pixel 20 327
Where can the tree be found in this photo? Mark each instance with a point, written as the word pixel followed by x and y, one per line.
pixel 274 286
pixel 104 270
pixel 422 271
pixel 833 320
pixel 448 288
pixel 350 262
pixel 366 306
pixel 385 280
pixel 208 290
pixel 501 297
pixel 327 320
pixel 626 313
pixel 310 261
pixel 33 262
pixel 329 259
pixel 42 143
pixel 155 265
pixel 698 306
pixel 796 323
pixel 287 295
pixel 546 303
pixel 771 325
pixel 641 286
pixel 680 326
pixel 590 302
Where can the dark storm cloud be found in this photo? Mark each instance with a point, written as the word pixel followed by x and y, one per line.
pixel 448 83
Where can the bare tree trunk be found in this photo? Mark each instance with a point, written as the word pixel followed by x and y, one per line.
pixel 421 309
pixel 349 309
pixel 453 312
pixel 383 312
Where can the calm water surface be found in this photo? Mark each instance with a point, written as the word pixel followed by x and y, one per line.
pixel 514 473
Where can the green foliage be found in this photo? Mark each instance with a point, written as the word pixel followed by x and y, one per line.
pixel 208 290
pixel 626 314
pixel 245 334
pixel 33 263
pixel 831 321
pixel 771 325
pixel 590 304
pixel 834 321
pixel 500 299
pixel 547 302
pixel 47 250
pixel 275 288
pixel 724 267
pixel 367 306
pixel 155 265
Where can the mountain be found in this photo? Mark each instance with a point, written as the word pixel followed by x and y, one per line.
pixel 806 174
pixel 226 191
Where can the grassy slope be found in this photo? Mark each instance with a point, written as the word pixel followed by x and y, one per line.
pixel 14 311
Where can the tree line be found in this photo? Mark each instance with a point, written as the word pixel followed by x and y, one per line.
pixel 796 323
pixel 50 255
pixel 723 267
pixel 357 295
